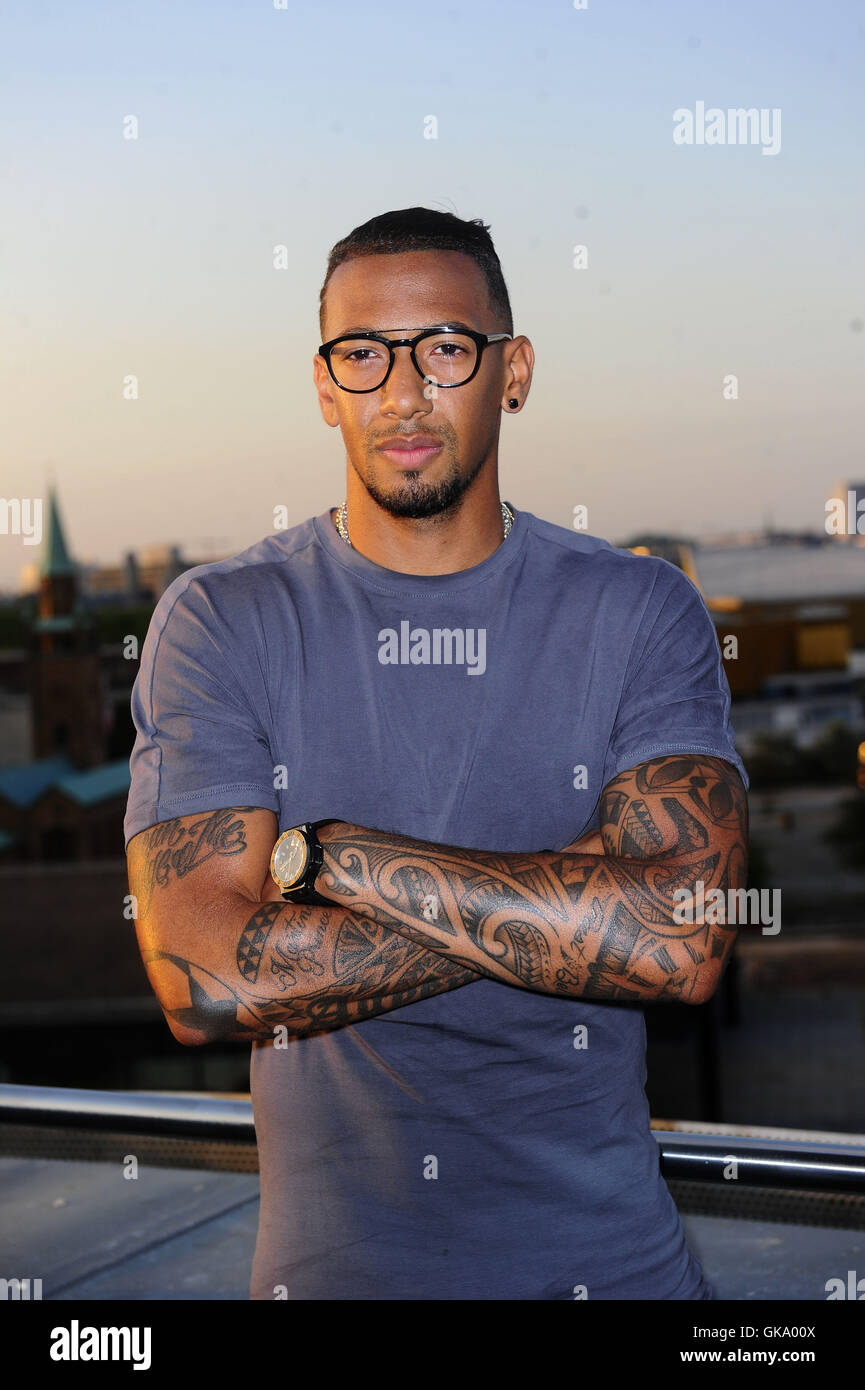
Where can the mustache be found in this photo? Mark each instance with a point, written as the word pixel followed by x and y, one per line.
pixel 374 440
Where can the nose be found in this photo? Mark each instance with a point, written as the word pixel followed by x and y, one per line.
pixel 403 392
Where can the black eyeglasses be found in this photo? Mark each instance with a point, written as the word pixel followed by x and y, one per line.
pixel 443 355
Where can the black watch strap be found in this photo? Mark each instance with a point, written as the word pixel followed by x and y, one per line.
pixel 305 890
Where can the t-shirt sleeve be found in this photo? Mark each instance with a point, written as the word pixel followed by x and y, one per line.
pixel 675 696
pixel 201 743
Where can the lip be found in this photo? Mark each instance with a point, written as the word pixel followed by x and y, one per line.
pixel 408 451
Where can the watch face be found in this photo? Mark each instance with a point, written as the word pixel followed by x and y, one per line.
pixel 289 859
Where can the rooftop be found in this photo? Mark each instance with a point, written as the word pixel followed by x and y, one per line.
pixel 781 571
pixel 24 784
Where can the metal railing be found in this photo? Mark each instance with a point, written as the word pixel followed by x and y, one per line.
pixel 795 1164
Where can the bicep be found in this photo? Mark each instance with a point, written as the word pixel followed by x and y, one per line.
pixel 192 880
pixel 686 817
pixel 180 867
pixel 678 804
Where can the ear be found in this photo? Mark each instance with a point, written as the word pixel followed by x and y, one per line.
pixel 519 361
pixel 325 390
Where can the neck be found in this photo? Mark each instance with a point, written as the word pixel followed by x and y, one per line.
pixel 463 536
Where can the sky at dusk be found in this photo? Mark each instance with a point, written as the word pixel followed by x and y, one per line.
pixel 261 126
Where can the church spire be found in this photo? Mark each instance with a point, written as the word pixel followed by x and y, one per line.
pixel 55 560
pixel 66 682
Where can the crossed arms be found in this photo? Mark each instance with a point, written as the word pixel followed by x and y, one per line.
pixel 228 959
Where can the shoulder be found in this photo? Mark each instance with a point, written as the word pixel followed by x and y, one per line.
pixel 239 584
pixel 631 575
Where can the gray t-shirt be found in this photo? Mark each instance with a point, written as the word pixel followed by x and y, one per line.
pixel 467 1146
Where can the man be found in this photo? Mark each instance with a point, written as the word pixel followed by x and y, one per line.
pixel 448 1044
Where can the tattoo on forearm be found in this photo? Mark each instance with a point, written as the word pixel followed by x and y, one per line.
pixel 569 923
pixel 365 968
pixel 308 968
pixel 253 940
pixel 209 1006
pixel 297 949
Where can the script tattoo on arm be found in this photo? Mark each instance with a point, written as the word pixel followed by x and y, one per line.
pixel 601 926
pixel 175 849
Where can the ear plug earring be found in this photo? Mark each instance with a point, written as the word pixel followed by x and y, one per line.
pixel 513 402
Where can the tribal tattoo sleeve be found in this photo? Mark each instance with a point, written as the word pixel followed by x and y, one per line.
pixel 603 926
pixel 229 970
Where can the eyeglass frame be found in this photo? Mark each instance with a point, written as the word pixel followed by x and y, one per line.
pixel 481 341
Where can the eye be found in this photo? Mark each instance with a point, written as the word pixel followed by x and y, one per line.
pixel 359 355
pixel 449 349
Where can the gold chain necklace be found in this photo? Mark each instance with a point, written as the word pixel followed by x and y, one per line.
pixel 341 521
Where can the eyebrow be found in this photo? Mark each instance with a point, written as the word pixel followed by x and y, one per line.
pixel 366 328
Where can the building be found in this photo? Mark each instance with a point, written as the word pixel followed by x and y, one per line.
pixel 66 729
pixel 63 788
pixel 69 714
pixel 790 617
pixel 50 810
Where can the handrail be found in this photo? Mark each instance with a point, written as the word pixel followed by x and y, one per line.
pixel 736 1158
pixel 684 1156
pixel 185 1117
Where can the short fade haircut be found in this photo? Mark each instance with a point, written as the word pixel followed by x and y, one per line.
pixel 424 229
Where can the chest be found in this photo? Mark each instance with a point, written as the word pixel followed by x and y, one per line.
pixel 480 723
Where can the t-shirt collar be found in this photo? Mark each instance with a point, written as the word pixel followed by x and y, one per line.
pixel 395 581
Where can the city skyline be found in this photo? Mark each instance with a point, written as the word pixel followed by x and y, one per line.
pixel 180 553
pixel 157 258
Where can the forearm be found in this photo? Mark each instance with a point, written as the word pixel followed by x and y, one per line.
pixel 573 924
pixel 271 969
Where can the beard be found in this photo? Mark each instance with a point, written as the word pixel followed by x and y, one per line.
pixel 413 496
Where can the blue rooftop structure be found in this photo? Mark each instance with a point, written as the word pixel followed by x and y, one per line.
pixel 25 784
pixel 97 783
